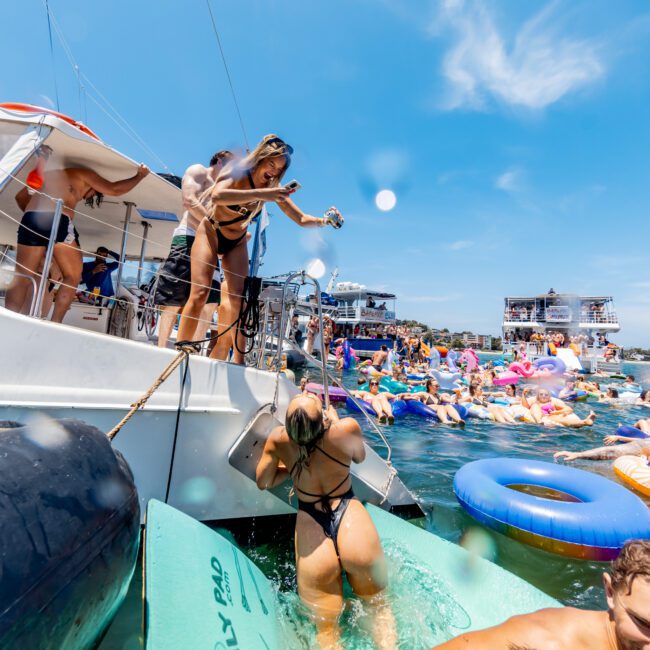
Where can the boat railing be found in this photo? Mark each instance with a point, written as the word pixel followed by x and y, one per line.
pixel 288 303
pixel 539 316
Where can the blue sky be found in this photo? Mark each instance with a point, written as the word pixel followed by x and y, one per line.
pixel 515 135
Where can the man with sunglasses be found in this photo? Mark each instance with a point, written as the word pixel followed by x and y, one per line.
pixel 624 626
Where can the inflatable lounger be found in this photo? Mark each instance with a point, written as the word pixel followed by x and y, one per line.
pixel 202 592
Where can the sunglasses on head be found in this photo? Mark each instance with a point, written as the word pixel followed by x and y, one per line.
pixel 281 143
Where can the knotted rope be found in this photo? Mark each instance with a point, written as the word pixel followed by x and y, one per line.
pixel 183 353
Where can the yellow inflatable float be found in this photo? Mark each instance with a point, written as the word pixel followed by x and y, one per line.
pixel 634 472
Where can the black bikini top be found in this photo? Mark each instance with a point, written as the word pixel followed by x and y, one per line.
pixel 242 212
pixel 334 489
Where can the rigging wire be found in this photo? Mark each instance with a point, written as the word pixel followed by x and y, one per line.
pixel 82 77
pixel 49 29
pixel 225 65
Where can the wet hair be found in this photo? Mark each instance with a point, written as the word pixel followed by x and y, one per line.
pixel 222 156
pixel 613 391
pixel 630 378
pixel 384 348
pixel 305 430
pixel 632 562
pixel 473 388
pixel 644 394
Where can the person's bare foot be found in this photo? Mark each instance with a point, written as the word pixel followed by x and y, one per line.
pixel 461 424
pixel 589 420
pixel 567 456
pixel 382 419
pixel 391 419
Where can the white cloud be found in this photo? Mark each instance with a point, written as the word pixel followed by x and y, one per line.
pixel 509 181
pixel 535 68
pixel 460 245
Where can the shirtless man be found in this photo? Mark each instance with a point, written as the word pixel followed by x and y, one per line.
pixel 71 185
pixel 624 626
pixel 174 282
pixel 379 358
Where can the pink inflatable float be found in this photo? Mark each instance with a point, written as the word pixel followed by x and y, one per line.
pixel 506 377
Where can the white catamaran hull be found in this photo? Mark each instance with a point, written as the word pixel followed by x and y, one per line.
pixel 178 446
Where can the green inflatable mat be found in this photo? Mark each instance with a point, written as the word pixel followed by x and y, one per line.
pixel 487 593
pixel 201 591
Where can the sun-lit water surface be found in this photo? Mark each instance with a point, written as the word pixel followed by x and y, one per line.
pixel 427 455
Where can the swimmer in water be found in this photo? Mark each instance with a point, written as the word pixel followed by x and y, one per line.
pixel 379 359
pixel 624 626
pixel 550 411
pixel 334 532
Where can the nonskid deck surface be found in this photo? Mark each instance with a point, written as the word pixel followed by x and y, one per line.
pixel 202 590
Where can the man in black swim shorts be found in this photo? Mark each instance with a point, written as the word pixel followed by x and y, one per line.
pixel 71 185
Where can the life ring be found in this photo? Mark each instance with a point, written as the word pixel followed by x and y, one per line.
pixel 627 431
pixel 30 108
pixel 592 524
pixel 635 472
pixel 335 393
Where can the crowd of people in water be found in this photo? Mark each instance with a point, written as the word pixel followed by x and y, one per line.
pixel 316 447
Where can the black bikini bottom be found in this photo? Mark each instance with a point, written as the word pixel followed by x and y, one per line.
pixel 225 244
pixel 328 519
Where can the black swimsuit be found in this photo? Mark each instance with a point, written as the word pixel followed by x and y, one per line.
pixel 225 244
pixel 329 520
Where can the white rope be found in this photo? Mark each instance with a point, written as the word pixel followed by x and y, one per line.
pixel 125 126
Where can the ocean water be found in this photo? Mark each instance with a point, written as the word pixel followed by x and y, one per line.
pixel 427 455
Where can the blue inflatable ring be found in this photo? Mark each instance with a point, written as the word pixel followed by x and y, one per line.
pixel 398 406
pixel 416 407
pixel 627 431
pixel 594 525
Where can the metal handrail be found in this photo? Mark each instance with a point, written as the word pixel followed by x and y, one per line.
pixel 327 377
pixel 334 380
pixel 282 332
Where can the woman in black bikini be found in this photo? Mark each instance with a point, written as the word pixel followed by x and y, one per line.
pixel 235 200
pixel 334 532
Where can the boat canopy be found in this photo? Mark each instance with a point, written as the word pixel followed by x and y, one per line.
pixel 155 200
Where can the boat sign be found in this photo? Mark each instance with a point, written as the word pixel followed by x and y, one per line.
pixel 558 314
pixel 201 591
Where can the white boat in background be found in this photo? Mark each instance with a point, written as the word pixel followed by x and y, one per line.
pixel 570 315
pixel 195 443
pixel 362 310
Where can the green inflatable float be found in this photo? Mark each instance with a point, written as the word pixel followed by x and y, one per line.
pixel 201 591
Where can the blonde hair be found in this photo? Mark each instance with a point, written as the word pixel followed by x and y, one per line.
pixel 270 146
